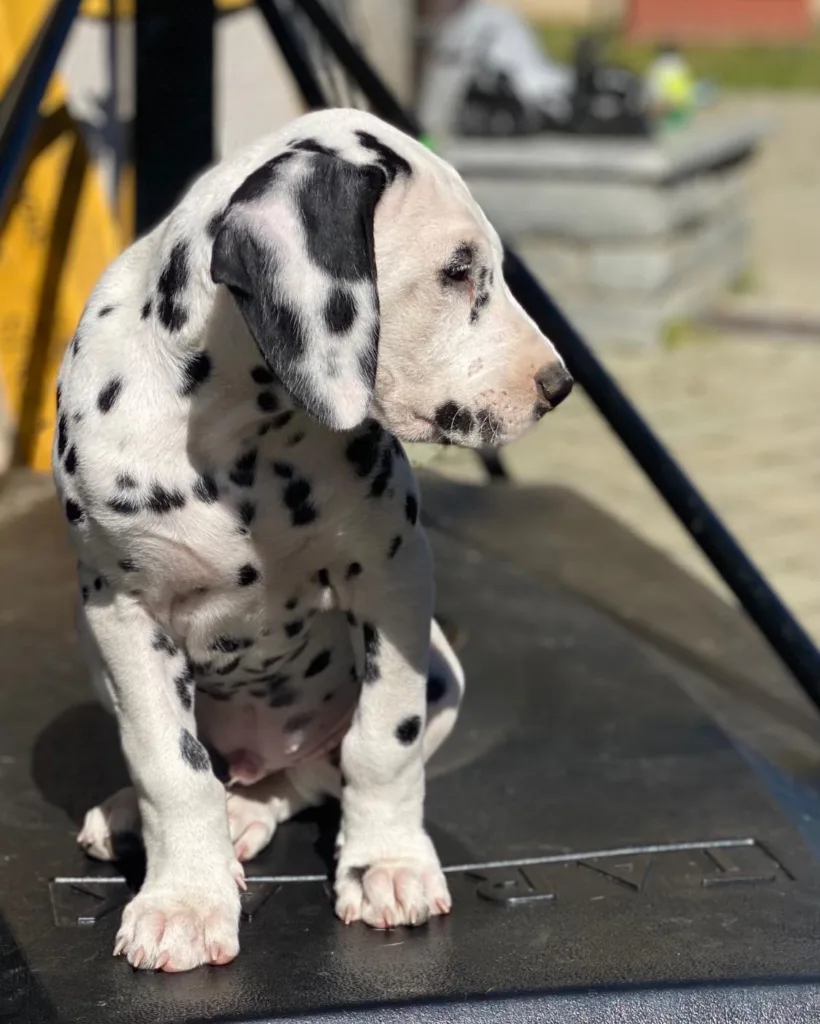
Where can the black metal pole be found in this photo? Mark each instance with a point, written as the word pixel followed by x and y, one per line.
pixel 173 124
pixel 764 607
pixel 20 105
pixel 294 54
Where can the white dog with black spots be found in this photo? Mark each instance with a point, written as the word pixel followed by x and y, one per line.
pixel 256 588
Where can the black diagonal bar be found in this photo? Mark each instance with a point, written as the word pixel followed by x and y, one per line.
pixel 294 53
pixel 20 105
pixel 764 607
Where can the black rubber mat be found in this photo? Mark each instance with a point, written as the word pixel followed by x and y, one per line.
pixel 611 855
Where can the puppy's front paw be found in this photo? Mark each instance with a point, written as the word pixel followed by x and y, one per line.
pixel 170 927
pixel 389 891
pixel 115 819
pixel 252 824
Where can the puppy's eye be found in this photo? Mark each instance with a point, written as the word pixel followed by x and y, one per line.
pixel 456 273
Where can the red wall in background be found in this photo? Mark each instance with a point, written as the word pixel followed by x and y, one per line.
pixel 718 19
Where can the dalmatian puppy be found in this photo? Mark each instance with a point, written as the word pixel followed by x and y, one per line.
pixel 255 589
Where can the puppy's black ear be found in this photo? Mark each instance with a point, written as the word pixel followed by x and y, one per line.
pixel 295 248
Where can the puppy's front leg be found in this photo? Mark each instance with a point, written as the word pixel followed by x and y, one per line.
pixel 187 912
pixel 388 872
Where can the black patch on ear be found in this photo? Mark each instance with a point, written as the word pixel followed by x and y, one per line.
pixel 197 371
pixel 341 243
pixel 312 146
pixel 214 224
pixel 109 394
pixel 340 311
pixel 407 732
pixel 388 159
pixel 258 183
pixel 172 282
pixel 193 753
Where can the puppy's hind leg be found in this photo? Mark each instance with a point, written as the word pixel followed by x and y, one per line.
pixel 109 826
pixel 445 691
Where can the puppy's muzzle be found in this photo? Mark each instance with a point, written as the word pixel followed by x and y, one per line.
pixel 553 384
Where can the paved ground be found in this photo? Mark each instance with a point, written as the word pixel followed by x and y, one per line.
pixel 742 413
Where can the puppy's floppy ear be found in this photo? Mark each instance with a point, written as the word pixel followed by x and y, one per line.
pixel 295 248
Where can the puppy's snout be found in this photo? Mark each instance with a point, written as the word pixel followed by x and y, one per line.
pixel 554 384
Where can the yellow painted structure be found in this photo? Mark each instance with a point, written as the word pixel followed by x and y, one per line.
pixel 57 239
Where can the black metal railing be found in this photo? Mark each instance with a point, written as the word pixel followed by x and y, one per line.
pixel 18 118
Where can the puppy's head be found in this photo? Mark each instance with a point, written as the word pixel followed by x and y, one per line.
pixel 373 286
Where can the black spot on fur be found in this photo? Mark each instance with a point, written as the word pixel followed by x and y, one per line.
pixel 99 583
pixel 299 721
pixel 184 684
pixel 126 481
pixel 411 509
pixel 262 375
pixel 228 667
pixel 283 469
pixel 294 628
pixel 244 469
pixel 124 506
pixel 323 578
pixel 247 575
pixel 282 419
pixel 363 450
pixel 128 565
pixel 71 461
pixel 295 438
pixel 297 498
pixel 109 394
pixel 160 641
pixel 62 435
pixel 407 732
pixel 479 302
pixel 282 698
pixel 214 224
pixel 205 489
pixel 388 159
pixel 84 591
pixel 353 570
pixel 453 419
pixel 247 512
pixel 291 603
pixel 267 401
pixel 105 310
pixel 257 184
pixel 193 753
pixel 162 500
pixel 436 688
pixel 75 345
pixel 145 312
pixel 172 282
pixel 395 544
pixel 491 427
pixel 351 618
pixel 382 478
pixel 372 646
pixel 340 311
pixel 197 371
pixel 317 664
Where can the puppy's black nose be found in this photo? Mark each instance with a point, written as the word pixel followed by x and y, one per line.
pixel 554 384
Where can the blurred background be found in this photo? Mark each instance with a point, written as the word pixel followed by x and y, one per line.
pixel 657 162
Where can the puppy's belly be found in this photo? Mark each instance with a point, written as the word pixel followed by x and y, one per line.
pixel 276 703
